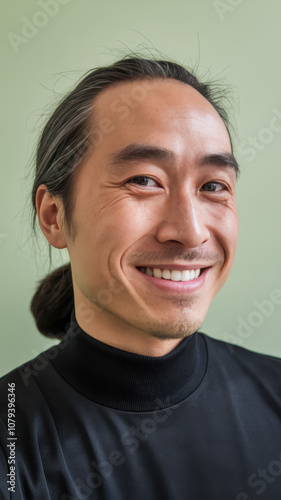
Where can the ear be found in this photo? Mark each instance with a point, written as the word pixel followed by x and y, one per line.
pixel 50 216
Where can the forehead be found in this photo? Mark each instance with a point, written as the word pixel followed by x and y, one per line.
pixel 163 112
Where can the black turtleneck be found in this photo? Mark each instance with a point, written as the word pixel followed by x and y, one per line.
pixel 96 422
pixel 127 381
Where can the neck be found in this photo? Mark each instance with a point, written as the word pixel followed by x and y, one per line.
pixel 109 328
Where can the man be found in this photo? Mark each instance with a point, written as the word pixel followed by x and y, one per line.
pixel 135 176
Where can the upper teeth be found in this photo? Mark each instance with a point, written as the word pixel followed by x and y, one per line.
pixel 172 274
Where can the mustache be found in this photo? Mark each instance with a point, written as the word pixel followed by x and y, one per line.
pixel 171 255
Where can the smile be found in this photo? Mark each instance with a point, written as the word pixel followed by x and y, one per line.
pixel 179 281
pixel 172 274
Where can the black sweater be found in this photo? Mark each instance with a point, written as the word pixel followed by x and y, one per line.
pixel 95 422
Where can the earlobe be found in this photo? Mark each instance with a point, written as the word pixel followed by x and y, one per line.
pixel 50 217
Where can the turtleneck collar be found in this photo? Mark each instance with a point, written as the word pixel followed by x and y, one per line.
pixel 127 381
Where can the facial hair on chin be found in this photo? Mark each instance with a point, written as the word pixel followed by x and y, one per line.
pixel 176 330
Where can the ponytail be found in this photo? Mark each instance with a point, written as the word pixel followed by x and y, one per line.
pixel 53 301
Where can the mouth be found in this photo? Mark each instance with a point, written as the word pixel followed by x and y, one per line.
pixel 175 280
pixel 172 274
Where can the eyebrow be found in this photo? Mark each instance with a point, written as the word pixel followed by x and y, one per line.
pixel 144 152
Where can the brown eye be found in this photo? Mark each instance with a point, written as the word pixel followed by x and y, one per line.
pixel 214 186
pixel 141 180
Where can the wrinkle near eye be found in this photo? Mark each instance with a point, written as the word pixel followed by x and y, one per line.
pixel 108 202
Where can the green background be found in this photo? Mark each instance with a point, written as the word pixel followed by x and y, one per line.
pixel 235 41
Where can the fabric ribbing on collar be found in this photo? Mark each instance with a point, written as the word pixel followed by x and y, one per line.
pixel 127 381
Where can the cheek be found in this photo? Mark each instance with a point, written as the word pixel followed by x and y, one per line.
pixel 222 221
pixel 228 234
pixel 125 227
pixel 113 225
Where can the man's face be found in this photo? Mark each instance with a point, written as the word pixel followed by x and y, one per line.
pixel 172 210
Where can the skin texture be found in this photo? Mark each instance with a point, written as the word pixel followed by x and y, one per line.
pixel 175 219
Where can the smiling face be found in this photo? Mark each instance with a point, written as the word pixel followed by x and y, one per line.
pixel 157 192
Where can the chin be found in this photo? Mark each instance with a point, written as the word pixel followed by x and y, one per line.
pixel 173 330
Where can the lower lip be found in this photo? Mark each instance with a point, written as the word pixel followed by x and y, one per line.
pixel 177 286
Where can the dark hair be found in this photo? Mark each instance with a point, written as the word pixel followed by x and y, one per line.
pixel 67 138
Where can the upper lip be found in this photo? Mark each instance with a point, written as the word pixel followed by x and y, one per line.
pixel 176 266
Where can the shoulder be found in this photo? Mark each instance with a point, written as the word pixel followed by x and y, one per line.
pixel 233 358
pixel 24 375
pixel 27 382
pixel 234 348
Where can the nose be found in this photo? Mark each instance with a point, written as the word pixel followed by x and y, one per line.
pixel 185 221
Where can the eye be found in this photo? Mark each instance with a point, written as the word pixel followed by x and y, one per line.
pixel 141 180
pixel 214 186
